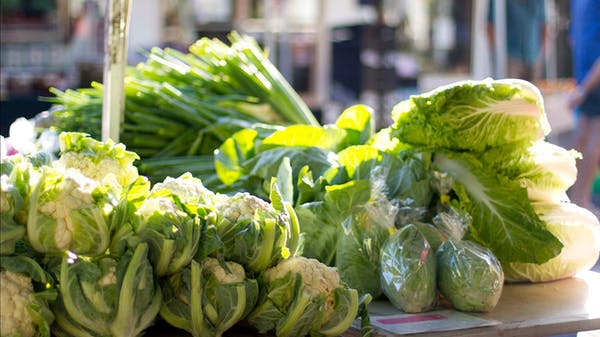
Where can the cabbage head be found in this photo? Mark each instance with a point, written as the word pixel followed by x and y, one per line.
pixel 472 115
pixel 578 230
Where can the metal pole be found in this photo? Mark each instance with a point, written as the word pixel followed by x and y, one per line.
pixel 115 62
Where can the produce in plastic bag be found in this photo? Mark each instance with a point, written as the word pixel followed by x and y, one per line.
pixel 469 275
pixel 408 270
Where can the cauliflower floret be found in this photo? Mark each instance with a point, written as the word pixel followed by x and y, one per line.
pixel 15 294
pixel 237 274
pixel 241 206
pixel 74 192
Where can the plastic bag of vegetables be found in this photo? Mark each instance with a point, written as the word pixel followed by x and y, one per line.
pixel 25 292
pixel 106 296
pixel 408 270
pixel 207 298
pixel 301 296
pixel 469 275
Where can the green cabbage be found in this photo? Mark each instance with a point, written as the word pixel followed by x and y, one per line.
pixel 578 230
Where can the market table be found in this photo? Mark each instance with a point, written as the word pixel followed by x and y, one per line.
pixel 544 309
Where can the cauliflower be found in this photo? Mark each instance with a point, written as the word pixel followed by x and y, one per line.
pixel 187 188
pixel 74 191
pixel 304 297
pixel 15 295
pixel 68 211
pixel 241 206
pixel 95 159
pixel 317 277
pixel 235 274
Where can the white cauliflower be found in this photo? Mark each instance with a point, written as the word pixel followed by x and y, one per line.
pixel 317 277
pixel 16 293
pixel 241 206
pixel 74 192
pixel 236 271
pixel 95 159
pixel 68 211
pixel 187 188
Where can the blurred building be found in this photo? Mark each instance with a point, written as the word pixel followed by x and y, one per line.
pixel 334 52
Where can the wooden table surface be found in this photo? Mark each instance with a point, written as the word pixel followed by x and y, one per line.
pixel 559 307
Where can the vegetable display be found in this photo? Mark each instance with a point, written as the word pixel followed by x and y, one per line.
pixel 276 223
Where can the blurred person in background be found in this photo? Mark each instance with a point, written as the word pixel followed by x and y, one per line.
pixel 526 34
pixel 585 99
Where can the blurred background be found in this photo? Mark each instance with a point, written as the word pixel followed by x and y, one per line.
pixel 334 53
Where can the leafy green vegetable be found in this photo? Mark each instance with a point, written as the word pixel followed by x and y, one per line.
pixel 503 218
pixel 408 270
pixel 107 296
pixel 545 169
pixel 469 275
pixel 208 298
pixel 578 230
pixel 472 115
pixel 301 296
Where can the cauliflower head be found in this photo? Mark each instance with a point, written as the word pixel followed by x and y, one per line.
pixel 95 159
pixel 16 294
pixel 240 206
pixel 235 274
pixel 68 212
pixel 187 188
pixel 317 278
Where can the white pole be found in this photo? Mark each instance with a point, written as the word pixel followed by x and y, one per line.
pixel 115 62
pixel 500 37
